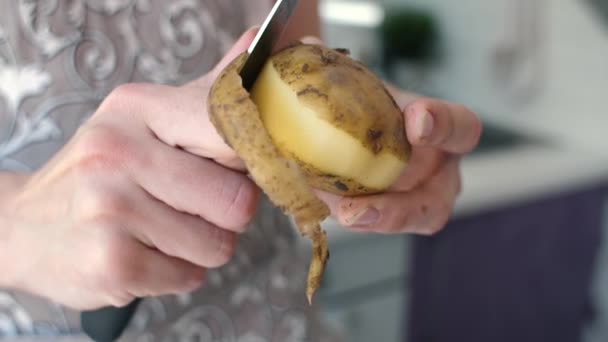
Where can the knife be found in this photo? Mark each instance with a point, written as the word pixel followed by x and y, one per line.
pixel 266 39
pixel 107 324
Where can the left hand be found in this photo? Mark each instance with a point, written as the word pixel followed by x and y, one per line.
pixel 422 199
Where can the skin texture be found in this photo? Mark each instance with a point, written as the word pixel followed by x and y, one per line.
pixel 237 120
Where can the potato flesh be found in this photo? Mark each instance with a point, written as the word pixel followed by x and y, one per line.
pixel 296 128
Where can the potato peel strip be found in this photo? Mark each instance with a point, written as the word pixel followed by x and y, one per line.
pixel 237 120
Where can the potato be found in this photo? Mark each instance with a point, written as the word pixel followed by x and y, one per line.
pixel 315 119
pixel 334 117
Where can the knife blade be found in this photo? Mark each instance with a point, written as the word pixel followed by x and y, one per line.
pixel 265 41
pixel 107 324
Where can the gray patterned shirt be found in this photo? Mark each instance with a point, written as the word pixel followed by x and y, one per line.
pixel 58 59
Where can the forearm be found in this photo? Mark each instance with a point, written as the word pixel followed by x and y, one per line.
pixel 10 183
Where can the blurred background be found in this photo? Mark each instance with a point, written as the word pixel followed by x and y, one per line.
pixel 525 256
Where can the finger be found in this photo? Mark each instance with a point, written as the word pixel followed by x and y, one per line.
pixel 241 45
pixel 312 40
pixel 214 147
pixel 156 274
pixel 424 210
pixel 423 163
pixel 197 186
pixel 178 117
pixel 403 98
pixel 181 235
pixel 450 127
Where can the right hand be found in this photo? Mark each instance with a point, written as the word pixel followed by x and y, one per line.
pixel 141 201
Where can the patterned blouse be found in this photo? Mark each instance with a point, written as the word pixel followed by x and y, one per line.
pixel 58 59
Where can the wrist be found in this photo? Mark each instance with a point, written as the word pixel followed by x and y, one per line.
pixel 10 185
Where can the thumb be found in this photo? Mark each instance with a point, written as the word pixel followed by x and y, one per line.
pixel 241 45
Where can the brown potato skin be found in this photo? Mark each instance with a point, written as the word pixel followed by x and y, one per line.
pixel 345 92
pixel 238 122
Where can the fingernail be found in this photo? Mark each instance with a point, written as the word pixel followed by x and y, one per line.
pixel 424 124
pixel 365 217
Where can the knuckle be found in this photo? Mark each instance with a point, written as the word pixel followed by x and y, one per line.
pixel 113 261
pixel 440 219
pixel 103 260
pixel 189 286
pixel 423 102
pixel 104 206
pixel 242 202
pixel 425 232
pixel 121 300
pixel 101 147
pixel 435 216
pixel 461 108
pixel 226 242
pixel 120 97
pixel 444 209
pixel 433 228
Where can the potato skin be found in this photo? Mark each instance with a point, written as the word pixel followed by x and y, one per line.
pixel 332 183
pixel 238 122
pixel 345 93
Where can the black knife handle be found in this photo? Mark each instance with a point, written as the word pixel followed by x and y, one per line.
pixel 107 324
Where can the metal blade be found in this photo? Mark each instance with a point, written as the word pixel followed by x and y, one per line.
pixel 265 41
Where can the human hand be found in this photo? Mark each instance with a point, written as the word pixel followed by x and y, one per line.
pixel 141 201
pixel 422 199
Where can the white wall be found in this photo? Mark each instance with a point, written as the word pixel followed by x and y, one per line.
pixel 574 61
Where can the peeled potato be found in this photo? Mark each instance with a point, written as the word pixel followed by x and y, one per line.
pixel 334 117
pixel 315 118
